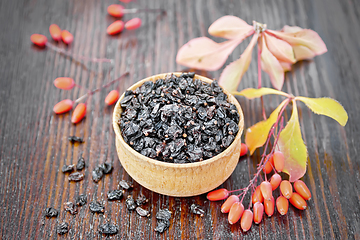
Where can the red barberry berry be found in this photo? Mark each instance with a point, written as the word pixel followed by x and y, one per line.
pixel 279 161
pixel 38 40
pixel 133 24
pixel 112 97
pixel 246 220
pixel 79 113
pixel 235 212
pixel 67 37
pixel 64 83
pixel 63 106
pixel 275 181
pixel 225 208
pixel 301 188
pixel 55 32
pixel 286 189
pixel 217 195
pixel 257 196
pixel 244 149
pixel 297 201
pixel 266 190
pixel 269 206
pixel 258 212
pixel 282 205
pixel 268 167
pixel 115 28
pixel 115 10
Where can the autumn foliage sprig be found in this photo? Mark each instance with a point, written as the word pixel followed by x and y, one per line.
pixel 278 50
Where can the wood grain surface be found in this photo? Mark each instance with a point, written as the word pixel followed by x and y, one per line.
pixel 34 145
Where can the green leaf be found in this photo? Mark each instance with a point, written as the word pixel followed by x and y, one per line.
pixel 328 107
pixel 252 93
pixel 257 134
pixel 292 146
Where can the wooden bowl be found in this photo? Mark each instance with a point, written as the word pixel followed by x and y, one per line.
pixel 179 180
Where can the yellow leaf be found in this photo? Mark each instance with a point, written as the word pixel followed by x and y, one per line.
pixel 257 134
pixel 292 146
pixel 252 93
pixel 326 106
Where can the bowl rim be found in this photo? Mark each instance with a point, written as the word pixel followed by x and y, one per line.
pixel 118 110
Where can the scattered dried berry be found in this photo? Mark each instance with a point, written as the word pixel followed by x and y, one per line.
pixel 178 119
pixel 141 199
pixel 67 168
pixel 162 225
pixel 74 139
pixel 108 229
pixel 142 212
pixel 163 214
pixel 70 207
pixel 80 164
pixel 114 195
pixel 62 228
pixel 130 203
pixel 125 184
pixel 106 167
pixel 81 200
pixel 196 209
pixel 51 212
pixel 96 207
pixel 97 174
pixel 76 177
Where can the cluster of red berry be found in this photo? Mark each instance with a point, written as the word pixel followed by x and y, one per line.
pixel 262 198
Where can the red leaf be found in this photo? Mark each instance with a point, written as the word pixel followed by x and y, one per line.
pixel 280 49
pixel 272 66
pixel 203 53
pixel 231 76
pixel 305 37
pixel 231 27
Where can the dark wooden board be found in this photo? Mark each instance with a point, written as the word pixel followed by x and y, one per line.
pixel 33 141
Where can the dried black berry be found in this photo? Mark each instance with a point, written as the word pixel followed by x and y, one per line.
pixel 114 195
pixel 81 200
pixel 106 167
pixel 163 214
pixel 130 203
pixel 51 212
pixel 97 174
pixel 108 229
pixel 67 168
pixel 76 176
pixel 70 207
pixel 96 207
pixel 80 164
pixel 178 119
pixel 141 199
pixel 125 184
pixel 196 209
pixel 74 139
pixel 162 225
pixel 142 212
pixel 62 228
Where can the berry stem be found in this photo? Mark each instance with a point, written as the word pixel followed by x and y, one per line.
pixel 89 93
pixel 78 57
pixel 259 76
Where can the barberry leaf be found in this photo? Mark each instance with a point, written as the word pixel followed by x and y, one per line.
pixel 291 144
pixel 231 27
pixel 231 76
pixel 280 49
pixel 203 53
pixel 272 66
pixel 251 93
pixel 285 65
pixel 305 37
pixel 328 107
pixel 257 134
